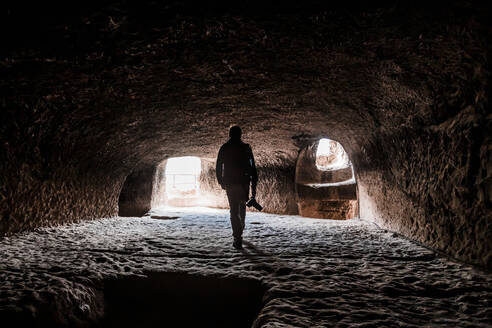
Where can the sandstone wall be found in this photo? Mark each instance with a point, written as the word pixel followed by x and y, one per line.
pixel 136 195
pixel 211 194
pixel 159 196
pixel 436 185
pixel 275 190
pixel 33 195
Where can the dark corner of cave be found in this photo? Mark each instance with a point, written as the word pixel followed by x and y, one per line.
pixel 245 163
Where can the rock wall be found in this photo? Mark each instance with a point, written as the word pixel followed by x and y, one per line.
pixel 275 189
pixel 436 187
pixel 34 196
pixel 211 194
pixel 136 196
pixel 276 185
pixel 159 196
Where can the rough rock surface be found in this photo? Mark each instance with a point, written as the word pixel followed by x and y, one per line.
pixel 159 195
pixel 275 190
pixel 138 191
pixel 316 273
pixel 405 87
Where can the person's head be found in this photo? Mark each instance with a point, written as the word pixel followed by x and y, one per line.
pixel 235 132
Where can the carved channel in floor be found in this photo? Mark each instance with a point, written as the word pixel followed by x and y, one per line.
pixel 181 300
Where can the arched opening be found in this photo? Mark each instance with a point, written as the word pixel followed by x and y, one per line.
pixel 325 182
pixel 174 181
pixel 182 179
pixel 331 156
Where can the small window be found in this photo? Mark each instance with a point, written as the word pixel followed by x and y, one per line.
pixel 182 177
pixel 331 156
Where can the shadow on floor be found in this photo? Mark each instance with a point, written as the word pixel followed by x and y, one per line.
pixel 264 261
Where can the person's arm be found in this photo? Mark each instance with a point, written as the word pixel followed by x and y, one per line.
pixel 253 173
pixel 219 167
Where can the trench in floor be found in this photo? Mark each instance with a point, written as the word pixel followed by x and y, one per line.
pixel 181 300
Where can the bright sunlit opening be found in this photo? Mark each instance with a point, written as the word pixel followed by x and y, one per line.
pixel 182 177
pixel 331 156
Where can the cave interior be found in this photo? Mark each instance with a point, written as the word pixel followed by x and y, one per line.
pixel 98 97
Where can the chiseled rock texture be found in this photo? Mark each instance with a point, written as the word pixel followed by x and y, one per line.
pixel 136 195
pixel 275 190
pixel 89 97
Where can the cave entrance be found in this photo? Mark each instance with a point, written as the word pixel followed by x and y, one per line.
pixel 182 176
pixel 325 182
pixel 181 300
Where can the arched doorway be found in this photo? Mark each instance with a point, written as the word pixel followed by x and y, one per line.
pixel 325 182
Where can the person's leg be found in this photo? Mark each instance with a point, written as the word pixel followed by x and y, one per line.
pixel 242 215
pixel 242 205
pixel 234 197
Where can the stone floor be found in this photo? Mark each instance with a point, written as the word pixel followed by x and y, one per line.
pixel 316 273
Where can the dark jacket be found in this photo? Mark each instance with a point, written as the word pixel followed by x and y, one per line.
pixel 236 164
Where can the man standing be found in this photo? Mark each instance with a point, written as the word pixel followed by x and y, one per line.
pixel 235 169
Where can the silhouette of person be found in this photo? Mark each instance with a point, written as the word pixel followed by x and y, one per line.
pixel 235 170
